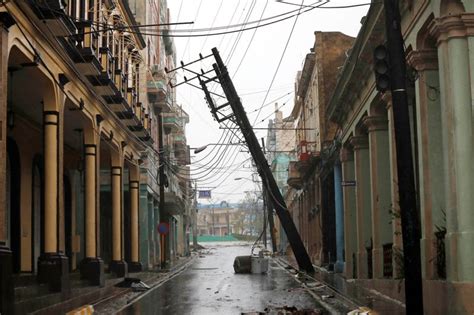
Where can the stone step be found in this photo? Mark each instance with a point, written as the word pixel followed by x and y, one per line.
pixel 32 304
pixel 30 291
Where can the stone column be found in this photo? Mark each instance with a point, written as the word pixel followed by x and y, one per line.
pixel 135 265
pixel 430 152
pixel 451 32
pixel 52 264
pixel 118 266
pixel 92 266
pixel 363 215
pixel 349 205
pixel 339 266
pixel 380 189
pixel 6 259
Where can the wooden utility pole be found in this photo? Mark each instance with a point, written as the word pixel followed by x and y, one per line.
pixel 240 118
pixel 406 179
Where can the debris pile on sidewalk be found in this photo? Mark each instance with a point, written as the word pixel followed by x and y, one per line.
pixel 134 283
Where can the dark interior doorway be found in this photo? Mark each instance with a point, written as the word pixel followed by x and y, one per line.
pixel 13 211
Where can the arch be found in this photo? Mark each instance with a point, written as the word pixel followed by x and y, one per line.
pixel 43 95
pixel 37 211
pixel 424 39
pixel 14 187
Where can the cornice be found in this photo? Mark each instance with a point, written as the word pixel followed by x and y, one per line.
pixel 422 60
pixel 375 123
pixel 359 142
pixel 452 26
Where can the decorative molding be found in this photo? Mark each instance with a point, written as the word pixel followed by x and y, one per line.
pixel 422 60
pixel 375 123
pixel 452 26
pixel 359 142
pixel 346 154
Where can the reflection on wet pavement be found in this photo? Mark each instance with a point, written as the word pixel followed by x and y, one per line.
pixel 209 286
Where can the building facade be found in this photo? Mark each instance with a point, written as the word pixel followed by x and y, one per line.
pixel 220 220
pixel 310 198
pixel 355 172
pixel 78 144
pixel 437 36
pixel 280 152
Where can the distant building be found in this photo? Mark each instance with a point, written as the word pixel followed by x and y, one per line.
pixel 220 219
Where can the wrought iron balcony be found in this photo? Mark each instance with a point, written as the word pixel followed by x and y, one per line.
pixel 87 47
pixel 171 122
pixel 53 14
pixel 174 204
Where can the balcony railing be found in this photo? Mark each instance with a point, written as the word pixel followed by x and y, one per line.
pixel 295 179
pixel 171 122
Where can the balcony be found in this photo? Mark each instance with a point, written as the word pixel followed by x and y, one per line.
pixel 86 57
pixel 130 120
pixel 174 205
pixel 183 157
pixel 107 61
pixel 179 141
pixel 52 13
pixel 171 122
pixel 295 179
pixel 307 154
pixel 158 95
pixel 103 84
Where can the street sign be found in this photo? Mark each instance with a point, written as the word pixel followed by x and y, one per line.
pixel 204 194
pixel 163 228
pixel 348 183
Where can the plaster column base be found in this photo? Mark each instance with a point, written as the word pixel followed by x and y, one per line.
pixel 135 267
pixel 119 268
pixel 53 269
pixel 92 269
pixel 6 281
pixel 362 266
pixel 377 262
pixel 465 258
pixel 349 268
pixel 452 259
pixel 428 258
pixel 339 266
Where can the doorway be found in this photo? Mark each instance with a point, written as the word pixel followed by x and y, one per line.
pixel 13 202
pixel 37 212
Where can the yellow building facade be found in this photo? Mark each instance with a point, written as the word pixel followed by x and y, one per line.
pixel 73 125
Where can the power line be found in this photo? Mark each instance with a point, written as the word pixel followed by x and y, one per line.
pixel 250 42
pixel 281 59
pixel 169 34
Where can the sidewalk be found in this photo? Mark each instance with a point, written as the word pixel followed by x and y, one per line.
pixel 352 291
pixel 124 296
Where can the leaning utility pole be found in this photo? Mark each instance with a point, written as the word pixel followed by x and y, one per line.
pixel 406 180
pixel 240 118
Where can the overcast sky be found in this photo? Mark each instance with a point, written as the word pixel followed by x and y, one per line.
pixel 252 79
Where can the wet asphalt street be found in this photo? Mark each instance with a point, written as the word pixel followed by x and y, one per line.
pixel 210 286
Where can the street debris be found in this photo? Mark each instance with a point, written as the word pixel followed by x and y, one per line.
pixel 286 310
pixel 135 283
pixel 327 296
pixel 139 286
pixel 362 311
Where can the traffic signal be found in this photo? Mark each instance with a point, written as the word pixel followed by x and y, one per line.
pixel 382 68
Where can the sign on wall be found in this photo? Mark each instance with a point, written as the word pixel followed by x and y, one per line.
pixel 204 194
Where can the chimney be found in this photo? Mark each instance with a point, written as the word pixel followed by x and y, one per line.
pixel 278 114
